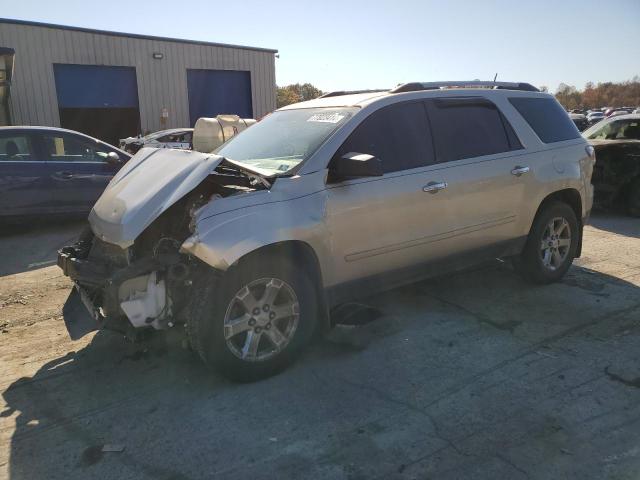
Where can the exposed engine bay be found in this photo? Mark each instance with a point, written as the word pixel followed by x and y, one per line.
pixel 146 285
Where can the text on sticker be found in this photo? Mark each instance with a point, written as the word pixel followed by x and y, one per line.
pixel 325 117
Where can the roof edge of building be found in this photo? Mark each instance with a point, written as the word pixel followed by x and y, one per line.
pixel 132 35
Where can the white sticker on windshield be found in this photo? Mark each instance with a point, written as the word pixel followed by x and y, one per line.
pixel 325 117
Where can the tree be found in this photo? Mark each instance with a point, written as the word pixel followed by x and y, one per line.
pixel 308 91
pixel 286 96
pixel 568 96
pixel 608 94
pixel 296 93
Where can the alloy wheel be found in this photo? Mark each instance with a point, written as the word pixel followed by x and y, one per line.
pixel 261 319
pixel 555 243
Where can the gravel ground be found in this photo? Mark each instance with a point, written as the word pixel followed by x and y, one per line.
pixel 477 375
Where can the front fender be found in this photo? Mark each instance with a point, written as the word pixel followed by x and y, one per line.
pixel 223 239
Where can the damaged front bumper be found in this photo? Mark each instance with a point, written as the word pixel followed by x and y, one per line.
pixel 120 298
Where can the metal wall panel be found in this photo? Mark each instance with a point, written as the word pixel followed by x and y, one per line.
pixel 162 84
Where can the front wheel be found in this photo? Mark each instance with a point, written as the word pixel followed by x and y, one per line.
pixel 254 321
pixel 551 245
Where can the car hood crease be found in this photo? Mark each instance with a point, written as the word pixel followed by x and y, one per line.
pixel 152 181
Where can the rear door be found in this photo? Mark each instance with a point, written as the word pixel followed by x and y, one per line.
pixel 484 168
pixel 80 169
pixel 25 176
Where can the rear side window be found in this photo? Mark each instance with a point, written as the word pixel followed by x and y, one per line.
pixel 15 148
pixel 398 135
pixel 547 118
pixel 469 127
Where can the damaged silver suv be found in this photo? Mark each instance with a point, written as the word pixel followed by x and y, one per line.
pixel 251 247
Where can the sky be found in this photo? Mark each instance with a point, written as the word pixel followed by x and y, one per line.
pixel 342 45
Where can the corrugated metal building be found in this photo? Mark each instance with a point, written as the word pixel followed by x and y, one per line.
pixel 112 85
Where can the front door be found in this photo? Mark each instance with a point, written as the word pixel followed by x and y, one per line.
pixel 387 224
pixel 80 170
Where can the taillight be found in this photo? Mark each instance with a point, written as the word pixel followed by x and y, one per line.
pixel 590 150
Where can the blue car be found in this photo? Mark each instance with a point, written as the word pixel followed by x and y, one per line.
pixel 45 170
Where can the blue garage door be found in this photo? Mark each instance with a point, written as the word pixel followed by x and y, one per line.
pixel 95 86
pixel 214 92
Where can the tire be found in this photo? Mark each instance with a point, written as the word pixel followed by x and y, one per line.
pixel 633 198
pixel 233 355
pixel 547 266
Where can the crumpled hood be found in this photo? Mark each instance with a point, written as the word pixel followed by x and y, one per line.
pixel 149 183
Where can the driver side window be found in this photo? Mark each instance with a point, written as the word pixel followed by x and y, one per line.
pixel 398 135
pixel 67 148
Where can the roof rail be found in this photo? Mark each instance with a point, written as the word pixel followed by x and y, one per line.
pixel 417 86
pixel 339 93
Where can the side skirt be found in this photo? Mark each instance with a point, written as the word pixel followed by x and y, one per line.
pixel 355 289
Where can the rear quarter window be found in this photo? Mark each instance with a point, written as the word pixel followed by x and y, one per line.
pixel 547 118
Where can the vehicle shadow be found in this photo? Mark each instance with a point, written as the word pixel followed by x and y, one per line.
pixel 32 245
pixel 616 223
pixel 160 414
pixel 76 404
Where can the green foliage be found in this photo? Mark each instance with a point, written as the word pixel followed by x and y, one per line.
pixel 607 94
pixel 296 93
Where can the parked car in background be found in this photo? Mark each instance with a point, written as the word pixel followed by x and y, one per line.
pixel 616 175
pixel 617 113
pixel 579 120
pixel 180 138
pixel 324 201
pixel 45 170
pixel 594 117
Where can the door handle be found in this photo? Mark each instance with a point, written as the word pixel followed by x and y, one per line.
pixel 64 175
pixel 517 171
pixel 434 187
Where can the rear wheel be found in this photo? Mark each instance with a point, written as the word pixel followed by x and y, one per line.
pixel 551 244
pixel 254 321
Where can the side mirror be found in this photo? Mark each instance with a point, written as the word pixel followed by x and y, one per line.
pixel 113 158
pixel 355 165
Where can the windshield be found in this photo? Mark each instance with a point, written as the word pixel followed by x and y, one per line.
pixel 285 138
pixel 616 130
